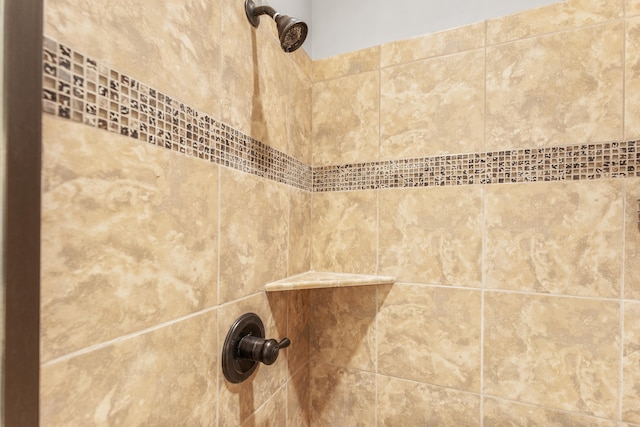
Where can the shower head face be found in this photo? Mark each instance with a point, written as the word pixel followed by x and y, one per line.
pixel 291 32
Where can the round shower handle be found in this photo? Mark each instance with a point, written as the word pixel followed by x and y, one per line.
pixel 260 349
pixel 246 346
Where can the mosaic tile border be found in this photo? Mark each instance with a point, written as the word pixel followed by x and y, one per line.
pixel 79 88
pixel 574 162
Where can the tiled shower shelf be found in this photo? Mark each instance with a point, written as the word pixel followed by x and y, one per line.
pixel 320 279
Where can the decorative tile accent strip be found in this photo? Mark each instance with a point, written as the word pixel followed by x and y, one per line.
pixel 575 162
pixel 78 88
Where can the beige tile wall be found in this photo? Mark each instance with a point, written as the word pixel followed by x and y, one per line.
pixel 516 304
pixel 148 255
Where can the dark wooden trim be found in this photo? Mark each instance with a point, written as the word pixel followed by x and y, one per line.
pixel 22 112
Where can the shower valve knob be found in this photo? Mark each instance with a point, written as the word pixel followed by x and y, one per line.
pixel 260 349
pixel 246 346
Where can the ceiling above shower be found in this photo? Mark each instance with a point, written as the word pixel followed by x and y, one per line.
pixel 340 26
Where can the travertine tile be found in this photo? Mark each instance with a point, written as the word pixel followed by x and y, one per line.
pixel 253 233
pixel 299 232
pixel 162 377
pixel 129 236
pixel 343 327
pixel 631 363
pixel 342 397
pixel 272 413
pixel 632 79
pixel 345 119
pixel 434 106
pixel 347 64
pixel 271 103
pixel 169 45
pixel 442 43
pixel 299 116
pixel 432 235
pixel 632 7
pixel 556 352
pixel 560 16
pixel 298 398
pixel 512 414
pixel 432 335
pixel 344 232
pixel 237 67
pixel 298 329
pixel 255 78
pixel 632 240
pixel 406 403
pixel 555 237
pixel 302 60
pixel 556 89
pixel 238 402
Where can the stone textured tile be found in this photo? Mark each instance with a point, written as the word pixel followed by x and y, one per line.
pixel 632 7
pixel 298 398
pixel 631 363
pixel 407 403
pixel 345 119
pixel 447 42
pixel 347 64
pixel 431 335
pixel 342 397
pixel 559 16
pixel 512 414
pixel 272 413
pixel 238 67
pixel 557 352
pixel 302 60
pixel 299 116
pixel 344 232
pixel 299 232
pixel 555 237
pixel 434 106
pixel 432 235
pixel 298 329
pixel 238 402
pixel 162 377
pixel 255 78
pixel 253 233
pixel 632 79
pixel 556 89
pixel 168 45
pixel 129 236
pixel 632 240
pixel 343 327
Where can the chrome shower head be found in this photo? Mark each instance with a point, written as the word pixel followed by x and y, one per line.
pixel 291 32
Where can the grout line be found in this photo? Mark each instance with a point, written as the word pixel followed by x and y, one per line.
pixel 484 232
pixel 510 291
pixel 621 367
pixel 624 74
pixel 219 364
pixel 482 303
pixel 625 203
pixel 124 338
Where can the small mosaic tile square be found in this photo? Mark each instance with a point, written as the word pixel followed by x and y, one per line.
pixel 80 88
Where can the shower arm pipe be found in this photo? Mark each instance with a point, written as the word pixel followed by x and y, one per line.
pixel 263 9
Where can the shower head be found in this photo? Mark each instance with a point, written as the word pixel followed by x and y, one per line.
pixel 291 31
